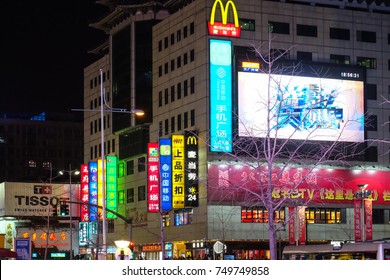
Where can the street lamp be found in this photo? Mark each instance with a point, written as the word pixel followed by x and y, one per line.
pixel 362 194
pixel 70 172
pixel 123 248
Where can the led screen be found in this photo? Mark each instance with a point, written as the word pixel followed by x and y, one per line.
pixel 301 107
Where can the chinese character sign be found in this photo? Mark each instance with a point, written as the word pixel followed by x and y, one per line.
pixel 191 171
pixel 178 174
pixel 84 193
pixel 153 178
pixel 166 174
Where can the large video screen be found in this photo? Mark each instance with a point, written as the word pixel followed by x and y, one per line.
pixel 304 106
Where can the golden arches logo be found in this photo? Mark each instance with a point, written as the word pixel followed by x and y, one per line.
pixel 191 140
pixel 224 12
pixel 224 28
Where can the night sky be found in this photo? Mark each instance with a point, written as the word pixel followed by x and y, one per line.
pixel 44 49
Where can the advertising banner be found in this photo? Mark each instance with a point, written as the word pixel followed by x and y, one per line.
pixel 84 193
pixel 178 171
pixel 191 171
pixel 166 174
pixel 357 220
pixel 153 178
pixel 368 219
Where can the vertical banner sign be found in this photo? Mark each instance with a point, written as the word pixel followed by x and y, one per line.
pixel 302 225
pixel 153 178
pixel 357 205
pixel 100 186
pixel 291 225
pixel 224 28
pixel 93 190
pixel 220 96
pixel 191 171
pixel 166 174
pixel 178 171
pixel 83 234
pixel 84 193
pixel 111 186
pixel 368 217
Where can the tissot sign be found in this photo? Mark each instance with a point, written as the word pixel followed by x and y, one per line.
pixel 29 199
pixel 223 27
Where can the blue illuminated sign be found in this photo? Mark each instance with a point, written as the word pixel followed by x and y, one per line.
pixel 166 174
pixel 220 96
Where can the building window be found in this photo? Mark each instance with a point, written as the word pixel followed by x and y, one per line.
pixel 192 85
pixel 172 93
pixel 306 30
pixel 247 24
pixel 192 117
pixel 367 62
pixel 160 46
pixel 192 55
pixel 260 215
pixel 192 28
pixel 366 36
pixel 166 42
pixel 185 58
pixel 130 195
pixel 141 164
pixel 160 98
pixel 185 31
pixel 160 129
pixel 160 71
pixel 185 120
pixel 172 124
pixel 308 56
pixel 166 127
pixel 178 35
pixel 130 167
pixel 381 216
pixel 325 216
pixel 172 64
pixel 279 27
pixel 185 88
pixel 166 68
pixel 183 217
pixel 371 154
pixel 121 197
pixel 339 59
pixel 179 91
pixel 370 92
pixel 172 39
pixel 141 193
pixel 280 53
pixel 371 123
pixel 339 34
pixel 179 122
pixel 166 93
pixel 178 61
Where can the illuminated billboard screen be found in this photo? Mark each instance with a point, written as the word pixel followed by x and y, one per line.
pixel 313 102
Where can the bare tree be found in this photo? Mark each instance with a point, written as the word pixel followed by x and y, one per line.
pixel 286 123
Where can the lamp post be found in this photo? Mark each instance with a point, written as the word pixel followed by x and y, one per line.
pixel 362 194
pixel 70 172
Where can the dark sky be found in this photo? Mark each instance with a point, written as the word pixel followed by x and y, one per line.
pixel 43 49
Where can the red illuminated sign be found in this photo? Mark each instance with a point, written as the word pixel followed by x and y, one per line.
pixel 224 28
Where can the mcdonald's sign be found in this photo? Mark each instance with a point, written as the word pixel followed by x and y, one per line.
pixel 224 28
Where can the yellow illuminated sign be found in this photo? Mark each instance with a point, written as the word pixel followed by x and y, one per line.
pixel 224 28
pixel 253 65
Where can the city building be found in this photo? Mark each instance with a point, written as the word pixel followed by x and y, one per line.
pixel 170 76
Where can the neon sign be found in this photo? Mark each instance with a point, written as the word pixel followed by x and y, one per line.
pixel 224 28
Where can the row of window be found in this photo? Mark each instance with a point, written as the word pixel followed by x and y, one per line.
pixel 187 30
pixel 176 63
pixel 312 215
pixel 176 122
pixel 176 92
pixel 334 33
pixel 97 80
pixel 96 150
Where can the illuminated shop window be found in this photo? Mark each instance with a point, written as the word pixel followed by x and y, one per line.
pixel 260 215
pixel 325 216
pixel 183 217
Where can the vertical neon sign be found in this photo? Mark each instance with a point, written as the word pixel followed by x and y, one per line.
pixel 93 190
pixel 166 174
pixel 153 178
pixel 112 187
pixel 84 193
pixel 191 171
pixel 178 177
pixel 220 95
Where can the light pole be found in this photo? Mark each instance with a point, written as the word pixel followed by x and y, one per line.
pixel 70 172
pixel 362 194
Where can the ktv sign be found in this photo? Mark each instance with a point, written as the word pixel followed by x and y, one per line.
pixel 224 28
